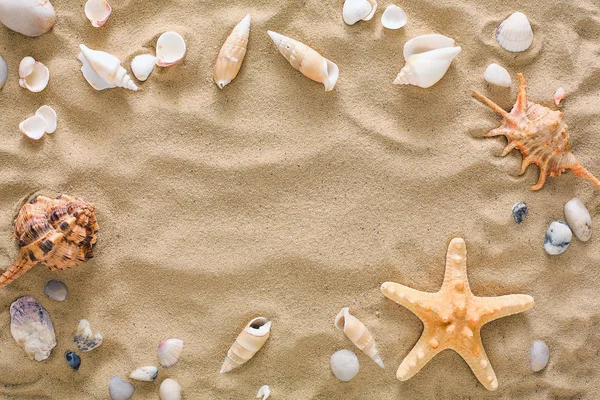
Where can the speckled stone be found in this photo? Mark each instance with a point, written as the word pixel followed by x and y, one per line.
pixel 519 212
pixel 557 239
pixel 73 360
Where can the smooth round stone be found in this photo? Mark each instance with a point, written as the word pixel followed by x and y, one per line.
pixel 344 365
pixel 558 237
pixel 73 360
pixel 119 389
pixel 3 72
pixel 579 219
pixel 539 354
pixel 519 212
pixel 56 290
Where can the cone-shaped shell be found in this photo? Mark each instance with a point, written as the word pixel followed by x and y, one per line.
pixel 358 333
pixel 169 351
pixel 103 70
pixel 306 60
pixel 247 344
pixel 232 54
pixel 28 17
pixel 97 11
pixel 426 69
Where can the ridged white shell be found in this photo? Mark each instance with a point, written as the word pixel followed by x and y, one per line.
pixel 264 392
pixel 145 374
pixel 33 127
pixel 497 75
pixel 33 75
pixel 170 49
pixel 393 17
pixel 103 70
pixel 579 219
pixel 97 11
pixel 49 117
pixel 514 33
pixel 426 69
pixel 3 72
pixel 28 17
pixel 169 351
pixel 170 389
pixel 142 66
pixel 357 10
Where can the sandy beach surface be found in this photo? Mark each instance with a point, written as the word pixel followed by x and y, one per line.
pixel 273 197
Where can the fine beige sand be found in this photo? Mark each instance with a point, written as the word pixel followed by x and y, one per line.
pixel 273 197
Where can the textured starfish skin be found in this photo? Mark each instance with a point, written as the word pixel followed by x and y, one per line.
pixel 452 318
pixel 539 134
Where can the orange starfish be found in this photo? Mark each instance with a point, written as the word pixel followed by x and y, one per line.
pixel 452 318
pixel 539 134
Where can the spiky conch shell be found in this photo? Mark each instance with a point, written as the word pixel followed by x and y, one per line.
pixel 232 54
pixel 247 344
pixel 358 333
pixel 58 233
pixel 103 70
pixel 306 60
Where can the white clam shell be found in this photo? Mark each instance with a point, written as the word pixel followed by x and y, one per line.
pixel 514 33
pixel 97 11
pixel 497 75
pixel 33 75
pixel 145 374
pixel 539 354
pixel 393 17
pixel 579 219
pixel 426 69
pixel 170 389
pixel 558 97
pixel 169 351
pixel 357 10
pixel 103 70
pixel 33 127
pixel 264 392
pixel 32 328
pixel 49 117
pixel 28 17
pixel 142 66
pixel 557 239
pixel 344 365
pixel 3 72
pixel 170 49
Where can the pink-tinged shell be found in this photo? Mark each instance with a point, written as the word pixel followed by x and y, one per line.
pixel 539 134
pixel 559 96
pixel 97 11
pixel 33 75
pixel 33 127
pixel 170 49
pixel 169 351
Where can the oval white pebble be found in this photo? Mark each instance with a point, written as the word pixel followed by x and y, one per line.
pixel 142 66
pixel 539 354
pixel 557 239
pixel 119 389
pixel 497 75
pixel 579 219
pixel 3 72
pixel 170 389
pixel 344 365
pixel 393 17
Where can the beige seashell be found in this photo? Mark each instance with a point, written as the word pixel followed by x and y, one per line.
pixel 559 96
pixel 426 69
pixel 169 351
pixel 393 17
pixel 28 17
pixel 145 374
pixel 97 11
pixel 264 392
pixel 170 49
pixel 33 127
pixel 247 344
pixel 306 60
pixel 514 33
pixel 170 389
pixel 358 334
pixel 49 117
pixel 33 75
pixel 142 66
pixel 358 10
pixel 103 70
pixel 232 54
pixel 497 75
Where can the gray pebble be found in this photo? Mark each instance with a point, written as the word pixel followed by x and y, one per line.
pixel 119 389
pixel 519 212
pixel 56 290
pixel 539 354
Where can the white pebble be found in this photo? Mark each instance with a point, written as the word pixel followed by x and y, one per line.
pixel 557 239
pixel 170 389
pixel 119 389
pixel 264 392
pixel 497 75
pixel 539 354
pixel 578 218
pixel 344 365
pixel 3 72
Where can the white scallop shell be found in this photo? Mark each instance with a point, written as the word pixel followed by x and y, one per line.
pixel 3 72
pixel 170 49
pixel 426 69
pixel 28 17
pixel 393 17
pixel 344 365
pixel 514 33
pixel 145 374
pixel 169 351
pixel 579 219
pixel 33 127
pixel 33 75
pixel 497 75
pixel 49 117
pixel 142 66
pixel 357 10
pixel 264 392
pixel 103 70
pixel 97 11
pixel 170 389
pixel 558 97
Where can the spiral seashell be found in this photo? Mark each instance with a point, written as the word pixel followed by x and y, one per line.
pixel 169 351
pixel 306 60
pixel 28 17
pixel 247 344
pixel 103 70
pixel 358 334
pixel 426 69
pixel 97 11
pixel 33 75
pixel 232 54
pixel 514 33
pixel 58 233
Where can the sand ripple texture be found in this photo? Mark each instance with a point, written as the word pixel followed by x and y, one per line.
pixel 272 197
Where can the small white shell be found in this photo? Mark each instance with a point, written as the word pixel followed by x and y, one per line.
pixel 142 66
pixel 426 69
pixel 559 96
pixel 578 218
pixel 33 75
pixel 97 11
pixel 357 10
pixel 557 239
pixel 497 75
pixel 3 72
pixel 49 117
pixel 393 17
pixel 169 351
pixel 425 43
pixel 170 49
pixel 539 354
pixel 170 389
pixel 344 365
pixel 33 127
pixel 85 339
pixel 145 374
pixel 264 392
pixel 28 17
pixel 514 33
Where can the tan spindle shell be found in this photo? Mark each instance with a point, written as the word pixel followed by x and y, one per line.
pixel 232 54
pixel 358 333
pixel 247 344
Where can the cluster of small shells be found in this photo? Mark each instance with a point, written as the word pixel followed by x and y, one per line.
pixel 44 121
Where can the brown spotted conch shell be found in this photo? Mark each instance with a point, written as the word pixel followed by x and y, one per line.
pixel 247 344
pixel 358 333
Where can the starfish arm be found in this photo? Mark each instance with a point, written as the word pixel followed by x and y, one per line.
pixel 475 356
pixel 456 266
pixel 494 106
pixel 418 357
pixel 492 308
pixel 419 303
pixel 521 104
